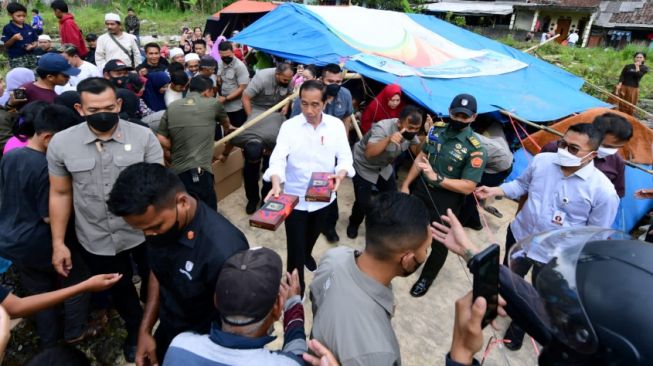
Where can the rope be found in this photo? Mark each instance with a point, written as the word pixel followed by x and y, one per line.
pixel 528 157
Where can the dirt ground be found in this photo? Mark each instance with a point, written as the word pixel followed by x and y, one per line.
pixel 424 325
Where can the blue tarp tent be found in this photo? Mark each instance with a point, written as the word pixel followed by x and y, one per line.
pixel 538 92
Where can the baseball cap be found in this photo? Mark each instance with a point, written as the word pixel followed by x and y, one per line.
pixel 248 285
pixel 91 37
pixel 463 103
pixel 111 17
pixel 116 65
pixel 54 62
pixel 44 37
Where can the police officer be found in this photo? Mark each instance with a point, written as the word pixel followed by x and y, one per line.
pixel 449 167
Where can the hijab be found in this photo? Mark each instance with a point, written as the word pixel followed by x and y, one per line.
pixel 379 110
pixel 15 78
pixel 152 95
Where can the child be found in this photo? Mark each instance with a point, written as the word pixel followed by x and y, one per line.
pixel 25 236
pixel 19 38
pixel 37 22
pixel 177 86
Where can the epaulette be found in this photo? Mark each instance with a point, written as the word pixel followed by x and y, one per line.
pixel 440 124
pixel 474 141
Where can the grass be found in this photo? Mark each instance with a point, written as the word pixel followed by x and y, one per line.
pixel 598 66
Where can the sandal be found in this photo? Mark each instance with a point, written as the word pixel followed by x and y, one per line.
pixel 493 211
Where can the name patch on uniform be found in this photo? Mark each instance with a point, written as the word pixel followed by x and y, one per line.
pixel 477 162
pixel 476 153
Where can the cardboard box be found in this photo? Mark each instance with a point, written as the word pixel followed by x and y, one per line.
pixel 319 188
pixel 274 212
pixel 228 176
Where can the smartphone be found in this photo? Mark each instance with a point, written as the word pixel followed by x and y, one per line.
pixel 485 268
pixel 19 94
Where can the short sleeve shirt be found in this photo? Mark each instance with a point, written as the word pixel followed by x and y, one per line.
pixel 353 312
pixel 499 156
pixel 24 236
pixel 190 125
pixel 370 168
pixel 94 166
pixel 18 48
pixel 187 268
pixel 264 90
pixel 455 155
pixel 232 76
pixel 340 107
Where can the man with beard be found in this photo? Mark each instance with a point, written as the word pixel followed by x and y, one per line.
pixel 351 292
pixel 449 167
pixel 188 242
pixel 84 162
pixel 116 44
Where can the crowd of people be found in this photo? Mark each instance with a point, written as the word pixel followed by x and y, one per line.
pixel 107 174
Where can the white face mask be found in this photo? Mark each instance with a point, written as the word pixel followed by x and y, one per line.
pixel 602 152
pixel 567 159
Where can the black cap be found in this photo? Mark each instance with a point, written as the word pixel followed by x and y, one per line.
pixel 463 103
pixel 248 285
pixel 91 37
pixel 116 65
pixel 208 61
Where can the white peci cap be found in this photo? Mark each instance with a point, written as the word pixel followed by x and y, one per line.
pixel 112 17
pixel 191 57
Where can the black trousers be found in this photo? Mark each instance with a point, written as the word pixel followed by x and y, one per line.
pixel 203 189
pixel 163 337
pixel 363 196
pixel 68 320
pixel 442 199
pixel 237 118
pixel 469 215
pixel 510 241
pixel 255 163
pixel 302 230
pixel 123 293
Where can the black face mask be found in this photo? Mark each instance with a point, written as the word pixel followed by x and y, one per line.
pixel 332 90
pixel 103 121
pixel 457 125
pixel 283 85
pixel 408 135
pixel 120 82
pixel 227 60
pixel 170 236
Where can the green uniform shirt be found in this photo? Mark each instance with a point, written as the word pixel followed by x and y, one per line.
pixel 455 155
pixel 190 125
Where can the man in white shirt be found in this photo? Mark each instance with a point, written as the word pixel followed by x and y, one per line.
pixel 572 39
pixel 308 143
pixel 116 44
pixel 564 189
pixel 87 69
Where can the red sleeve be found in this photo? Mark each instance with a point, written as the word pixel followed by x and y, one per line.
pixel 70 33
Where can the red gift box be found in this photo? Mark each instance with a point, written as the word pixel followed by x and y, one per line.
pixel 319 188
pixel 274 212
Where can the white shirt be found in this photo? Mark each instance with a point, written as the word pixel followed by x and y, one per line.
pixel 585 198
pixel 573 38
pixel 87 70
pixel 302 150
pixel 107 50
pixel 171 95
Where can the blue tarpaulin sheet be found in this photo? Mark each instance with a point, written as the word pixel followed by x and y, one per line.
pixel 540 92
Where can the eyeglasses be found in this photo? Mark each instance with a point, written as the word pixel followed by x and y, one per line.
pixel 571 148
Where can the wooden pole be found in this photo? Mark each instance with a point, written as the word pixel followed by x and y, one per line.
pixel 558 133
pixel 255 120
pixel 353 75
pixel 541 44
pixel 646 113
pixel 356 126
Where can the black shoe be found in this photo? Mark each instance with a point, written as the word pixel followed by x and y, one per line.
pixel 252 206
pixel 310 263
pixel 129 351
pixel 352 231
pixel 421 287
pixel 516 336
pixel 332 236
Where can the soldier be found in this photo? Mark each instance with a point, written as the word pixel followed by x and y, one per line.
pixel 449 167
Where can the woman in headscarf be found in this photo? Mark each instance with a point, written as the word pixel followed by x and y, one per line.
pixel 387 104
pixel 154 94
pixel 15 78
pixel 130 108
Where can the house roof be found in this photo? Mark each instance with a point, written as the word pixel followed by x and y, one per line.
pixel 247 6
pixel 471 7
pixel 626 14
pixel 561 4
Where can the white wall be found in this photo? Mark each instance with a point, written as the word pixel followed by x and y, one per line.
pixel 523 19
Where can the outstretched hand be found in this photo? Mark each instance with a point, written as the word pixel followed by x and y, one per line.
pixel 452 235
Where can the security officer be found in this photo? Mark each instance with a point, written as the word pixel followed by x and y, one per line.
pixel 449 167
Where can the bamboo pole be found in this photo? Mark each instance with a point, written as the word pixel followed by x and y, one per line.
pixel 356 126
pixel 255 120
pixel 646 113
pixel 541 44
pixel 558 133
pixel 352 75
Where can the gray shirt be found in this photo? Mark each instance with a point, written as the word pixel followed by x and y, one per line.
pixel 264 90
pixel 340 107
pixel 94 167
pixel 370 169
pixel 499 156
pixel 352 312
pixel 232 76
